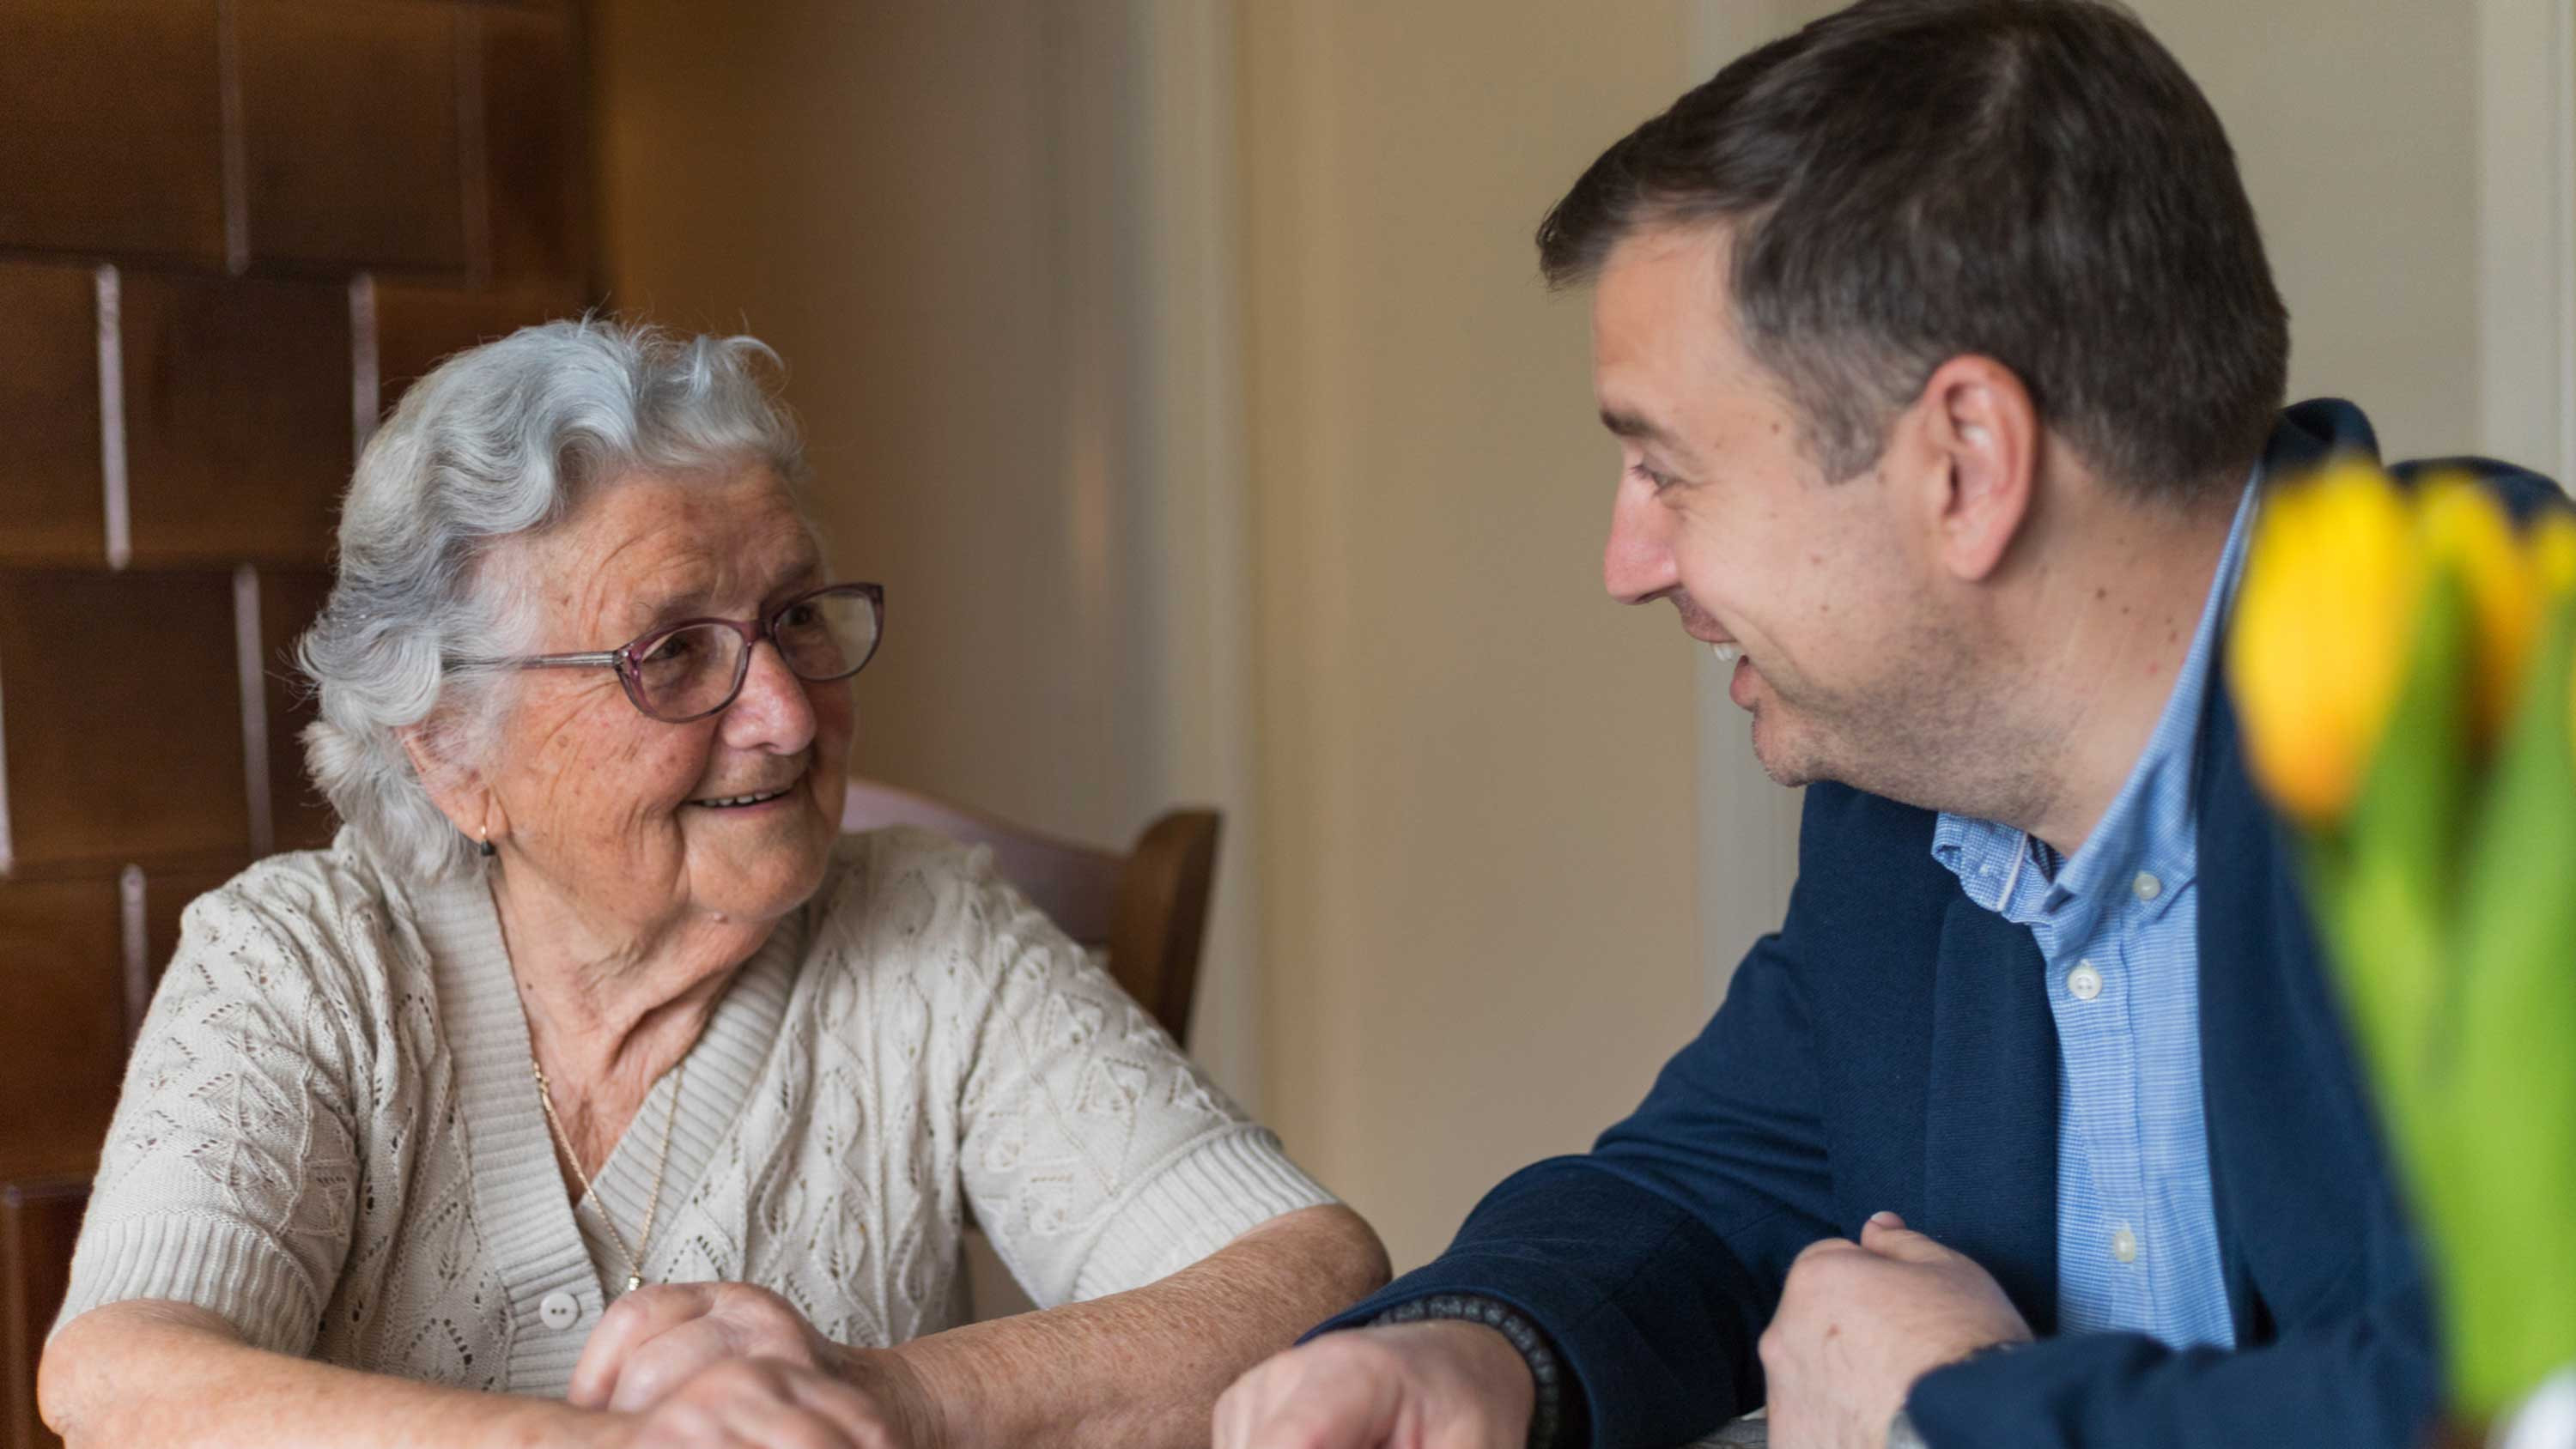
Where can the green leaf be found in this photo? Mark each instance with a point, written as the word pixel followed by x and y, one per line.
pixel 2384 889
pixel 2504 1207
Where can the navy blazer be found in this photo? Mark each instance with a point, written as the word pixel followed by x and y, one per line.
pixel 1891 1047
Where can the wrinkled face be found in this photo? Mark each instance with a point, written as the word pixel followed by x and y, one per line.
pixel 621 815
pixel 1823 591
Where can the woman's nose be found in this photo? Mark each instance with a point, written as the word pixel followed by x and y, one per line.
pixel 773 712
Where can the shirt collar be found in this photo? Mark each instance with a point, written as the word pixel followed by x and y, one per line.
pixel 2152 827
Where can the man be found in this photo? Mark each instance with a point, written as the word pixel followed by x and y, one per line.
pixel 1946 367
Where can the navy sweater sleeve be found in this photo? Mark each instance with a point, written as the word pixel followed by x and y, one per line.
pixel 2366 1380
pixel 1653 1262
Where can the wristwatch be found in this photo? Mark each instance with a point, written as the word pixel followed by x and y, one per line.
pixel 1547 1400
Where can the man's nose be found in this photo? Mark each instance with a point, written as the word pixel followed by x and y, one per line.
pixel 1637 563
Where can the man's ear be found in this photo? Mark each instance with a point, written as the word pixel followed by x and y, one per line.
pixel 1977 443
pixel 458 790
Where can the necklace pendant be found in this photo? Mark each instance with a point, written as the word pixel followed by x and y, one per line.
pixel 633 1282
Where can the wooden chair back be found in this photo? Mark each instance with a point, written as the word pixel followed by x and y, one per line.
pixel 1146 909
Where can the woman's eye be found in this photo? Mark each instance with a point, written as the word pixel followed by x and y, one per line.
pixel 670 650
pixel 800 617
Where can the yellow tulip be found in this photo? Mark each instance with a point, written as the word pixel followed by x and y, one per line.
pixel 2324 620
pixel 2553 559
pixel 2553 551
pixel 2466 528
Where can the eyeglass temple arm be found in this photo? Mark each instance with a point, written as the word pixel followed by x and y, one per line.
pixel 539 661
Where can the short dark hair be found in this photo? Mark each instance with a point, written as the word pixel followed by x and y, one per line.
pixel 2035 181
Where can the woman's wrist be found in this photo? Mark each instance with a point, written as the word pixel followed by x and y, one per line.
pixel 560 1426
pixel 903 1380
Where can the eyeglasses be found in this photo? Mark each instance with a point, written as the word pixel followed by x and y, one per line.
pixel 693 668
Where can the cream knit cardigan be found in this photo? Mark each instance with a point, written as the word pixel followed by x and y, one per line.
pixel 329 1134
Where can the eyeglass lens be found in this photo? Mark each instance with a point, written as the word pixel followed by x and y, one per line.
pixel 692 671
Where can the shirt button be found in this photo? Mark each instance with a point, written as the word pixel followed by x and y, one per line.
pixel 2147 886
pixel 560 1310
pixel 2084 982
pixel 2124 1245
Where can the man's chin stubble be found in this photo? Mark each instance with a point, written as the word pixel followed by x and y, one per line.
pixel 1787 768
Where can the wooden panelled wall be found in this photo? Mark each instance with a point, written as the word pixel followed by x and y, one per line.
pixel 230 231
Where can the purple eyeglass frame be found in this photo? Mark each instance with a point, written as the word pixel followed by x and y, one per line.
pixel 624 658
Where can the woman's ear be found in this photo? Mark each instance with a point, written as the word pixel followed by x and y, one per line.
pixel 1980 435
pixel 458 790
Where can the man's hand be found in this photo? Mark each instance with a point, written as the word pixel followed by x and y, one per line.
pixel 1860 1322
pixel 657 1339
pixel 1440 1385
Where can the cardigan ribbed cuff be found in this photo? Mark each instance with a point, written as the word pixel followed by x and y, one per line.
pixel 1209 1194
pixel 203 1260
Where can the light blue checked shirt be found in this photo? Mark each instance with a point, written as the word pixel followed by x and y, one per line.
pixel 2118 925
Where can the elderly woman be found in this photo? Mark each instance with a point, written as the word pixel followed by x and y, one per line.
pixel 591 1089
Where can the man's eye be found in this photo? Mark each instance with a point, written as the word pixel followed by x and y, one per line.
pixel 1655 479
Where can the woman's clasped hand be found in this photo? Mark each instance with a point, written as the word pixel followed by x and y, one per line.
pixel 767 1403
pixel 699 1365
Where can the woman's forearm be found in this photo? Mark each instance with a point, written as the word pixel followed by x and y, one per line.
pixel 167 1375
pixel 1143 1369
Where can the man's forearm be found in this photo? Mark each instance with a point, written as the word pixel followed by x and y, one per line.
pixel 1144 1368
pixel 167 1376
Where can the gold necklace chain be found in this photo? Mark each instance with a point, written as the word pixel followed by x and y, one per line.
pixel 653 1205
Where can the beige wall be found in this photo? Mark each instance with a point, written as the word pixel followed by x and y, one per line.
pixel 2356 126
pixel 907 201
pixel 2410 162
pixel 1476 770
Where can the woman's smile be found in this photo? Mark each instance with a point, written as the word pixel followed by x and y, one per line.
pixel 753 801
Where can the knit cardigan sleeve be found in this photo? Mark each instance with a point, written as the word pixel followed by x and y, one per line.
pixel 1096 1156
pixel 228 1174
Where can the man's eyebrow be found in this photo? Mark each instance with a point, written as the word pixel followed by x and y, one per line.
pixel 1633 425
pixel 1638 428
